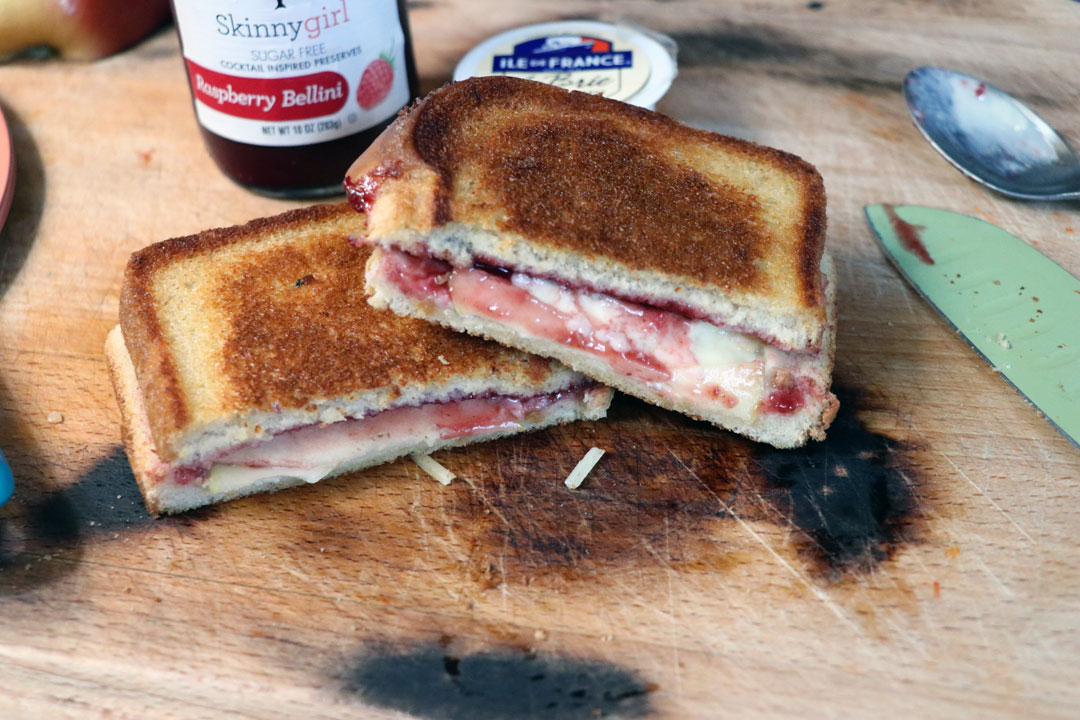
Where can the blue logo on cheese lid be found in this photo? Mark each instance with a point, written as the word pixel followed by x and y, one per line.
pixel 563 53
pixel 616 61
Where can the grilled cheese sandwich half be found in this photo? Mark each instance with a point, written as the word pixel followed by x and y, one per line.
pixel 677 265
pixel 247 360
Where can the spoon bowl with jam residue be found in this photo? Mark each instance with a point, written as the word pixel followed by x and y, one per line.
pixel 990 136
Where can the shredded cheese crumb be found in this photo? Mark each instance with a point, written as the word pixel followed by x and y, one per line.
pixel 432 468
pixel 55 418
pixel 443 360
pixel 583 468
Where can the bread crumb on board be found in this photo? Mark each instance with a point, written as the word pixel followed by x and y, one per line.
pixel 583 468
pixel 429 465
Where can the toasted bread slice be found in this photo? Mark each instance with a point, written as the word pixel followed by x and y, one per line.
pixel 602 194
pixel 677 265
pixel 232 337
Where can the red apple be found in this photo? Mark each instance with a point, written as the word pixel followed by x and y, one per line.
pixel 78 29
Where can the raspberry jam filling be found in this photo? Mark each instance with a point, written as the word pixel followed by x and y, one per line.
pixel 326 446
pixel 361 193
pixel 675 355
pixel 478 292
pixel 785 400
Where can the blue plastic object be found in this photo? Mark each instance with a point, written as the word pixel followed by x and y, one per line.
pixel 7 482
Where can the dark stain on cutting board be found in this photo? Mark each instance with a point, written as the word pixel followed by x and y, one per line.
pixel 850 496
pixel 429 681
pixel 673 491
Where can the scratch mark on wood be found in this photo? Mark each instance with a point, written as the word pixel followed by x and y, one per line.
pixel 487 503
pixel 991 500
pixel 910 637
pixel 672 611
pixel 296 573
pixel 825 599
pixel 993 576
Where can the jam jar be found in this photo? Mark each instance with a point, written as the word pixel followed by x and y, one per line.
pixel 287 93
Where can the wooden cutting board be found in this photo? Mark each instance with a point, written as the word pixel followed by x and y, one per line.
pixel 919 563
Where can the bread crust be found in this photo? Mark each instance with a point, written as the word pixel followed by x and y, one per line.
pixel 138 445
pixel 242 331
pixel 508 165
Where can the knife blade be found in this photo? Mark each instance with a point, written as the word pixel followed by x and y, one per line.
pixel 1012 304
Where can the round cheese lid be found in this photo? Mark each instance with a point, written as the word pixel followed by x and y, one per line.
pixel 621 62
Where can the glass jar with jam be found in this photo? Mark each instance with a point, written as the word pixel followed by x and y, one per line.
pixel 288 93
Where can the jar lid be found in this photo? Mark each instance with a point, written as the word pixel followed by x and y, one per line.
pixel 617 61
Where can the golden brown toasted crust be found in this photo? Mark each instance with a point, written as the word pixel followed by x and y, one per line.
pixel 275 321
pixel 584 174
pixel 138 445
pixel 310 323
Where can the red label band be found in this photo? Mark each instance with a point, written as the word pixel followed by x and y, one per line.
pixel 272 99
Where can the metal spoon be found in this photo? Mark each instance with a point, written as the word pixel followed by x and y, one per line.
pixel 990 136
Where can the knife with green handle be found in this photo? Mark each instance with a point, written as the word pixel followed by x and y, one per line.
pixel 1015 306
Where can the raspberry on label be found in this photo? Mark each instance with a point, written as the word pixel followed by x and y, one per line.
pixel 376 81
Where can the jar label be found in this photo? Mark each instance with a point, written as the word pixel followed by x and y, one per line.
pixel 289 72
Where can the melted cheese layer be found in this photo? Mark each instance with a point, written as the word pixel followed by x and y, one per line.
pixel 318 451
pixel 677 356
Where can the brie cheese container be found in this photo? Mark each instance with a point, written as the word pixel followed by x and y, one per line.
pixel 621 62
